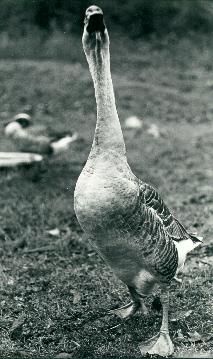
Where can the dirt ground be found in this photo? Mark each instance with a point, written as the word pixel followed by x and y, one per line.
pixel 56 293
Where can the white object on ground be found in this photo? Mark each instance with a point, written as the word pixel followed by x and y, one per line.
pixel 12 159
pixel 63 144
pixel 153 130
pixel 54 232
pixel 133 122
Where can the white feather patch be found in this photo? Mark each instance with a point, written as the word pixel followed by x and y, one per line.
pixel 183 247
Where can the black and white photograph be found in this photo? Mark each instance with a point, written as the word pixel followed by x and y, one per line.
pixel 106 177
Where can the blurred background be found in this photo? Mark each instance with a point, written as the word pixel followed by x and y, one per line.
pixel 136 17
pixel 53 285
pixel 37 21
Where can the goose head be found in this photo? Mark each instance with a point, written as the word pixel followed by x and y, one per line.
pixel 95 34
pixel 18 122
pixel 94 19
pixel 23 119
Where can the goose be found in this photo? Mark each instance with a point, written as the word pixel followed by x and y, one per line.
pixel 125 219
pixel 17 131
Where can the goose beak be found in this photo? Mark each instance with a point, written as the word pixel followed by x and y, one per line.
pixel 94 20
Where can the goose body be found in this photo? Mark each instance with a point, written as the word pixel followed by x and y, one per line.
pixel 124 218
pixel 128 223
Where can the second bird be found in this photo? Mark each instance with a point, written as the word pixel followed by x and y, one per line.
pixel 23 135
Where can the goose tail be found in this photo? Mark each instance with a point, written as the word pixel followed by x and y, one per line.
pixel 196 240
pixel 185 246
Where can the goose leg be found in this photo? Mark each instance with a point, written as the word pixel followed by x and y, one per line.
pixel 160 344
pixel 131 308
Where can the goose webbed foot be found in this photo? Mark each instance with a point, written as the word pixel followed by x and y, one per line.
pixel 130 309
pixel 127 310
pixel 160 344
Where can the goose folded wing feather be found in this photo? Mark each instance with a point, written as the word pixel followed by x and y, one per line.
pixel 171 224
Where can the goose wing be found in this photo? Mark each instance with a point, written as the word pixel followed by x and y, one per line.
pixel 158 234
pixel 158 248
pixel 172 226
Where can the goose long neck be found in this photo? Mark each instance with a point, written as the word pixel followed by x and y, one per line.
pixel 108 133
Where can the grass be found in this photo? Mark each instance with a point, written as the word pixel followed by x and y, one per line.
pixel 57 300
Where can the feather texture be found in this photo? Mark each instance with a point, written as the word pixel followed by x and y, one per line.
pixel 172 226
pixel 126 219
